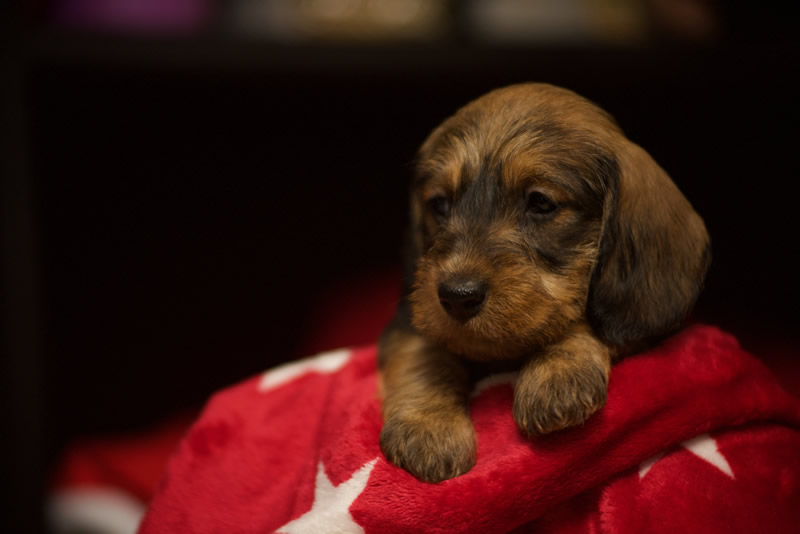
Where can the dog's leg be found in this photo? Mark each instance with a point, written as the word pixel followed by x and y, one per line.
pixel 427 430
pixel 564 385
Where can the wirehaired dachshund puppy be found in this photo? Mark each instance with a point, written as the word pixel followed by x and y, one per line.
pixel 543 239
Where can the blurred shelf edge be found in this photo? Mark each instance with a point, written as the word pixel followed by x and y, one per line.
pixel 226 52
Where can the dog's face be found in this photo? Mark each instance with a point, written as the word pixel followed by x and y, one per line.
pixel 530 211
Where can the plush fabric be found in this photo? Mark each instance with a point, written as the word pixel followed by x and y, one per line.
pixel 696 436
pixel 103 484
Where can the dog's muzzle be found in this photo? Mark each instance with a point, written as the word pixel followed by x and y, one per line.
pixel 462 297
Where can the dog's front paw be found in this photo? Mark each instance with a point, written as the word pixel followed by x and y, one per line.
pixel 550 397
pixel 432 447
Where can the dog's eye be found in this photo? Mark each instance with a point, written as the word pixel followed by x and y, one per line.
pixel 440 206
pixel 540 204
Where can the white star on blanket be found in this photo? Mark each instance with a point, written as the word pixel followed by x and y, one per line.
pixel 325 363
pixel 703 446
pixel 330 513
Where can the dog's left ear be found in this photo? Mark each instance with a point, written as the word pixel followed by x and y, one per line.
pixel 654 254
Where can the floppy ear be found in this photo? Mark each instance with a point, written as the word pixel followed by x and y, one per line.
pixel 654 254
pixel 401 321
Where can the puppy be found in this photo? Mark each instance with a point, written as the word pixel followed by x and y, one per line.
pixel 542 239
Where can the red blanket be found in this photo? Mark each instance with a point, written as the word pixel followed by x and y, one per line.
pixel 696 436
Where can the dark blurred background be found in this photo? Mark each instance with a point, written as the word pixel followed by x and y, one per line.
pixel 183 179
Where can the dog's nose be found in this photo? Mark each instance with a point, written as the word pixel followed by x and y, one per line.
pixel 462 298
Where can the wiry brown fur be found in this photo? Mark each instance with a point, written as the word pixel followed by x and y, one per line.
pixel 617 263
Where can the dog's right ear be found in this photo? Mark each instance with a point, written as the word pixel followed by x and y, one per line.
pixel 654 254
pixel 414 241
pixel 411 253
pixel 412 248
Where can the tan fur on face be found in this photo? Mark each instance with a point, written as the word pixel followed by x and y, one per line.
pixel 527 307
pixel 509 326
pixel 665 236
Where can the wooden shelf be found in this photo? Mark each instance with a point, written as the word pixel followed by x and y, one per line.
pixel 220 52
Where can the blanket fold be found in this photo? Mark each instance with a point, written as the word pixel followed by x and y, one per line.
pixel 696 435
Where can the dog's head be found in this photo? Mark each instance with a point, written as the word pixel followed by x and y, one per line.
pixel 531 210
